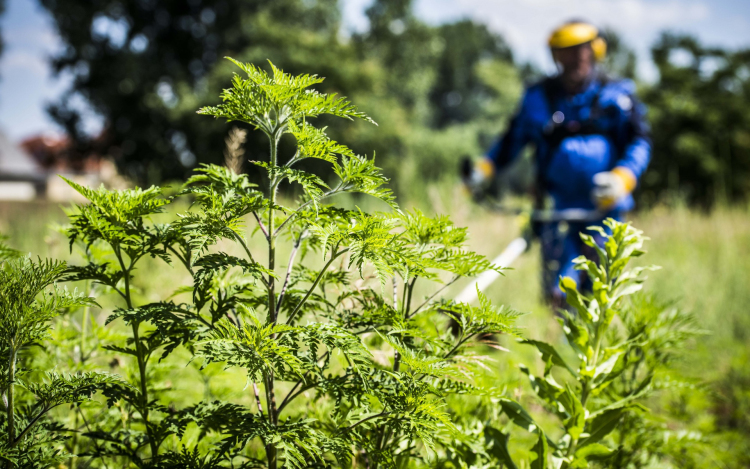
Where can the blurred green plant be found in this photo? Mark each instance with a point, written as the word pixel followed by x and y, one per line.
pixel 7 252
pixel 116 230
pixel 29 300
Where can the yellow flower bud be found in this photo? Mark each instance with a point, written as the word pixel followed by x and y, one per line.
pixel 568 283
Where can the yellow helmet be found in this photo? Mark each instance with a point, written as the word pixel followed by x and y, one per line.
pixel 577 32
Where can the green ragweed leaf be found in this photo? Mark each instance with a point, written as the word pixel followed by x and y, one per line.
pixel 313 142
pixel 269 101
pixel 29 299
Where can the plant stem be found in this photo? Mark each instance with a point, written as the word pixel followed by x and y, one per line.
pixel 407 306
pixel 290 397
pixel 425 302
pixel 270 449
pixel 257 398
pixel 84 320
pixel 408 289
pixel 244 246
pixel 143 386
pixel 95 441
pixel 292 394
pixel 395 293
pixel 585 392
pixel 272 238
pixel 11 415
pixel 261 225
pixel 315 284
pixel 297 244
pixel 272 313
pixel 31 424
pixel 139 355
pixel 294 215
pixel 74 446
pixel 374 416
pixel 184 260
pixel 396 356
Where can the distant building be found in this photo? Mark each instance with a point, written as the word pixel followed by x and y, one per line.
pixel 21 178
pixel 31 170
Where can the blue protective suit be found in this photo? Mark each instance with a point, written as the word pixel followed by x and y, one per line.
pixel 595 130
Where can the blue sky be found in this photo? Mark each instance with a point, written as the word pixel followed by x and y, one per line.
pixel 26 84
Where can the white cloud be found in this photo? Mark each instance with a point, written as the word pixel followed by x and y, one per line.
pixel 24 62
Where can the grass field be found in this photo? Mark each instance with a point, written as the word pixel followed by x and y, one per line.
pixel 706 270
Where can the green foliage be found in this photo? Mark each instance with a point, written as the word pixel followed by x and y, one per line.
pixel 439 91
pixel 699 116
pixel 6 252
pixel 117 233
pixel 599 400
pixel 175 48
pixel 29 300
pixel 426 84
pixel 307 339
pixel 271 102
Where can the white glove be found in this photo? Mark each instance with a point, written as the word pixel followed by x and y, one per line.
pixel 611 186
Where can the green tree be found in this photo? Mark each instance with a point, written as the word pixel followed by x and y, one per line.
pixel 144 66
pixel 460 94
pixel 699 114
pixel 444 92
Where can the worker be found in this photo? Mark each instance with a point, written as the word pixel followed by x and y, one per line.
pixel 592 145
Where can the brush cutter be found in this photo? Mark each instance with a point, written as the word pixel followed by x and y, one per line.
pixel 519 245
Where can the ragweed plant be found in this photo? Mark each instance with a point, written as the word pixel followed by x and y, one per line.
pixel 333 317
pixel 29 300
pixel 7 252
pixel 590 398
pixel 660 331
pixel 346 363
pixel 341 372
pixel 115 227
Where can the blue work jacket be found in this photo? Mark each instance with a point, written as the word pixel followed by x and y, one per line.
pixel 595 130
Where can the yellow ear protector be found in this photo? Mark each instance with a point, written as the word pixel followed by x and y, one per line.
pixel 599 46
pixel 575 33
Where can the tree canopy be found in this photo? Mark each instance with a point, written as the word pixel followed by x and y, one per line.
pixel 700 119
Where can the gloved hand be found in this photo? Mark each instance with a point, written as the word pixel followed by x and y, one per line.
pixel 611 186
pixel 477 175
